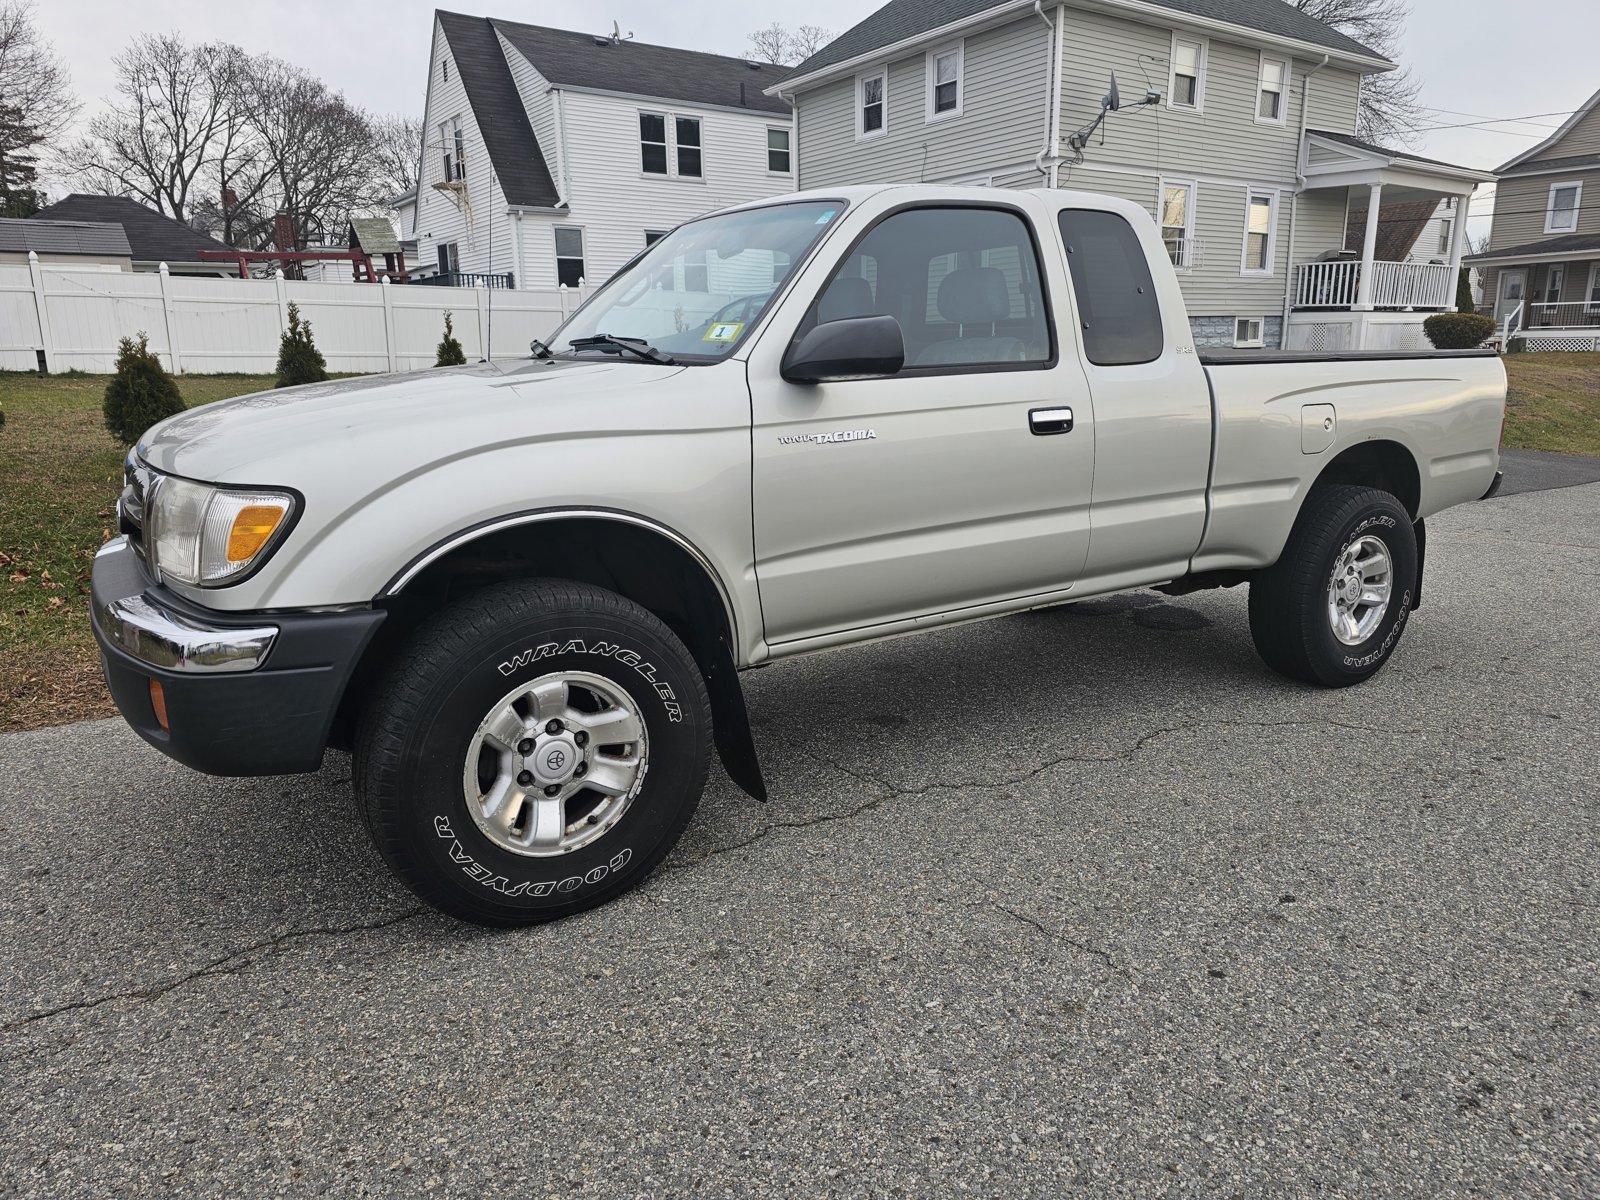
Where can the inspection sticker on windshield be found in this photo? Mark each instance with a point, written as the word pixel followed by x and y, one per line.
pixel 724 331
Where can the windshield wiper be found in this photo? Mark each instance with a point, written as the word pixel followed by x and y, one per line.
pixel 636 346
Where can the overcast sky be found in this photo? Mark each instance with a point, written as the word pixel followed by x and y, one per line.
pixel 1478 59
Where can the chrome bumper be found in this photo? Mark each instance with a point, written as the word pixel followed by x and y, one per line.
pixel 172 642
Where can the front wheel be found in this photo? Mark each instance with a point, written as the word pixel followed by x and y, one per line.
pixel 1332 608
pixel 536 749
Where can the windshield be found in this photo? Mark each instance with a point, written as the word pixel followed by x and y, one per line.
pixel 693 294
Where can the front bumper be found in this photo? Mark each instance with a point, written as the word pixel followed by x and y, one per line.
pixel 246 694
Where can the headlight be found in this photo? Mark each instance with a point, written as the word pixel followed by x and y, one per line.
pixel 204 535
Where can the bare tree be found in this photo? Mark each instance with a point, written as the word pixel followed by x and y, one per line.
pixel 1390 111
pixel 36 104
pixel 777 44
pixel 396 151
pixel 165 124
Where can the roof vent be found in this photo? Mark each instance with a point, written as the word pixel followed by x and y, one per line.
pixel 752 64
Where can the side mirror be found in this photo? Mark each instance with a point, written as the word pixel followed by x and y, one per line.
pixel 854 348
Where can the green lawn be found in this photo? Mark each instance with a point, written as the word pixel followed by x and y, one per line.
pixel 60 473
pixel 1554 403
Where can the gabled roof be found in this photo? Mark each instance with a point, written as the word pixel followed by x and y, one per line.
pixel 151 236
pixel 583 60
pixel 94 238
pixel 902 20
pixel 497 108
pixel 1573 162
pixel 1356 143
pixel 1583 111
pixel 373 234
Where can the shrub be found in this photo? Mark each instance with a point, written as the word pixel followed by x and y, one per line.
pixel 1464 291
pixel 299 360
pixel 450 352
pixel 1457 331
pixel 140 393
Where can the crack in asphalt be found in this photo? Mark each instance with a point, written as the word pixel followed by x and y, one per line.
pixel 892 790
pixel 1059 936
pixel 231 963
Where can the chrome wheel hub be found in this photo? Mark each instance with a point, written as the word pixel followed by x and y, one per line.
pixel 555 764
pixel 1359 590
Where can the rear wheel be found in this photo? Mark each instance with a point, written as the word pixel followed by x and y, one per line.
pixel 535 750
pixel 1331 609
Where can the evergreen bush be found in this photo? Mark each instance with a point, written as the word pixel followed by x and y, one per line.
pixel 1464 291
pixel 1457 331
pixel 140 393
pixel 450 352
pixel 299 360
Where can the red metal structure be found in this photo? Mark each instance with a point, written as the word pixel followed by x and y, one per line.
pixel 362 267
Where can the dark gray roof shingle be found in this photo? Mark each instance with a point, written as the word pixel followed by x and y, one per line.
pixel 901 19
pixel 100 239
pixel 1572 243
pixel 692 76
pixel 497 107
pixel 1570 162
pixel 152 237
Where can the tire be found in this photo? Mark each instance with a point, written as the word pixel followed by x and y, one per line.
pixel 1293 606
pixel 458 689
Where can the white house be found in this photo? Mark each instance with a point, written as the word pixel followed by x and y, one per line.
pixel 551 156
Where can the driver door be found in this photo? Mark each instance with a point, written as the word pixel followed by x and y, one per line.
pixel 879 501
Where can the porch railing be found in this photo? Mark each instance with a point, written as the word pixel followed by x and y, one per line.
pixel 1569 314
pixel 466 279
pixel 1394 285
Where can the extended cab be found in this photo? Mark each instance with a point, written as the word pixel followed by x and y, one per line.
pixel 521 592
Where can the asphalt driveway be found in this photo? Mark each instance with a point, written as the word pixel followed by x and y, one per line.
pixel 1080 901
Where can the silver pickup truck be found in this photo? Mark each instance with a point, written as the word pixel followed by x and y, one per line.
pixel 521 592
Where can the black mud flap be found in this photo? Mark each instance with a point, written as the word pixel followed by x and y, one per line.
pixel 730 722
pixel 1421 528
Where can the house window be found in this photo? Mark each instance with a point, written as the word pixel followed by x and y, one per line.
pixel 1177 222
pixel 461 152
pixel 778 151
pixel 1594 288
pixel 1187 88
pixel 1561 213
pixel 1269 96
pixel 1247 333
pixel 569 255
pixel 449 262
pixel 455 150
pixel 1260 225
pixel 1554 278
pixel 1447 226
pixel 653 143
pixel 688 132
pixel 944 82
pixel 870 104
pixel 652 236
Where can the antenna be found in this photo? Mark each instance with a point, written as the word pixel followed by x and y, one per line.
pixel 1109 103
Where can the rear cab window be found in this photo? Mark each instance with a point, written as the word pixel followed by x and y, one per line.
pixel 1118 313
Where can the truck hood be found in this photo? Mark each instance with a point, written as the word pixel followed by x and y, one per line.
pixel 393 422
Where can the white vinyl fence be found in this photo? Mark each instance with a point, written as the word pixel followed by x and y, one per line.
pixel 76 316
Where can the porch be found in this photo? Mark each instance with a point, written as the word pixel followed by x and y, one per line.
pixel 1548 303
pixel 1407 214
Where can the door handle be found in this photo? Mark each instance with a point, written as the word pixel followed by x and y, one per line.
pixel 1050 420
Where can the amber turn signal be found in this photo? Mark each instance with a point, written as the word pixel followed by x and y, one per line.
pixel 158 701
pixel 252 527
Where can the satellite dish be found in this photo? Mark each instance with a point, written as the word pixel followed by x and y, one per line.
pixel 1113 99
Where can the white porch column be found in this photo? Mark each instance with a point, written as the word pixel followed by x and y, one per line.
pixel 1369 249
pixel 1458 239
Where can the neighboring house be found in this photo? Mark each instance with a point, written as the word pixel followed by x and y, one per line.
pixel 1541 267
pixel 83 245
pixel 553 157
pixel 1271 207
pixel 153 239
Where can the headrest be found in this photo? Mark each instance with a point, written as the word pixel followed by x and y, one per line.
pixel 974 296
pixel 847 297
